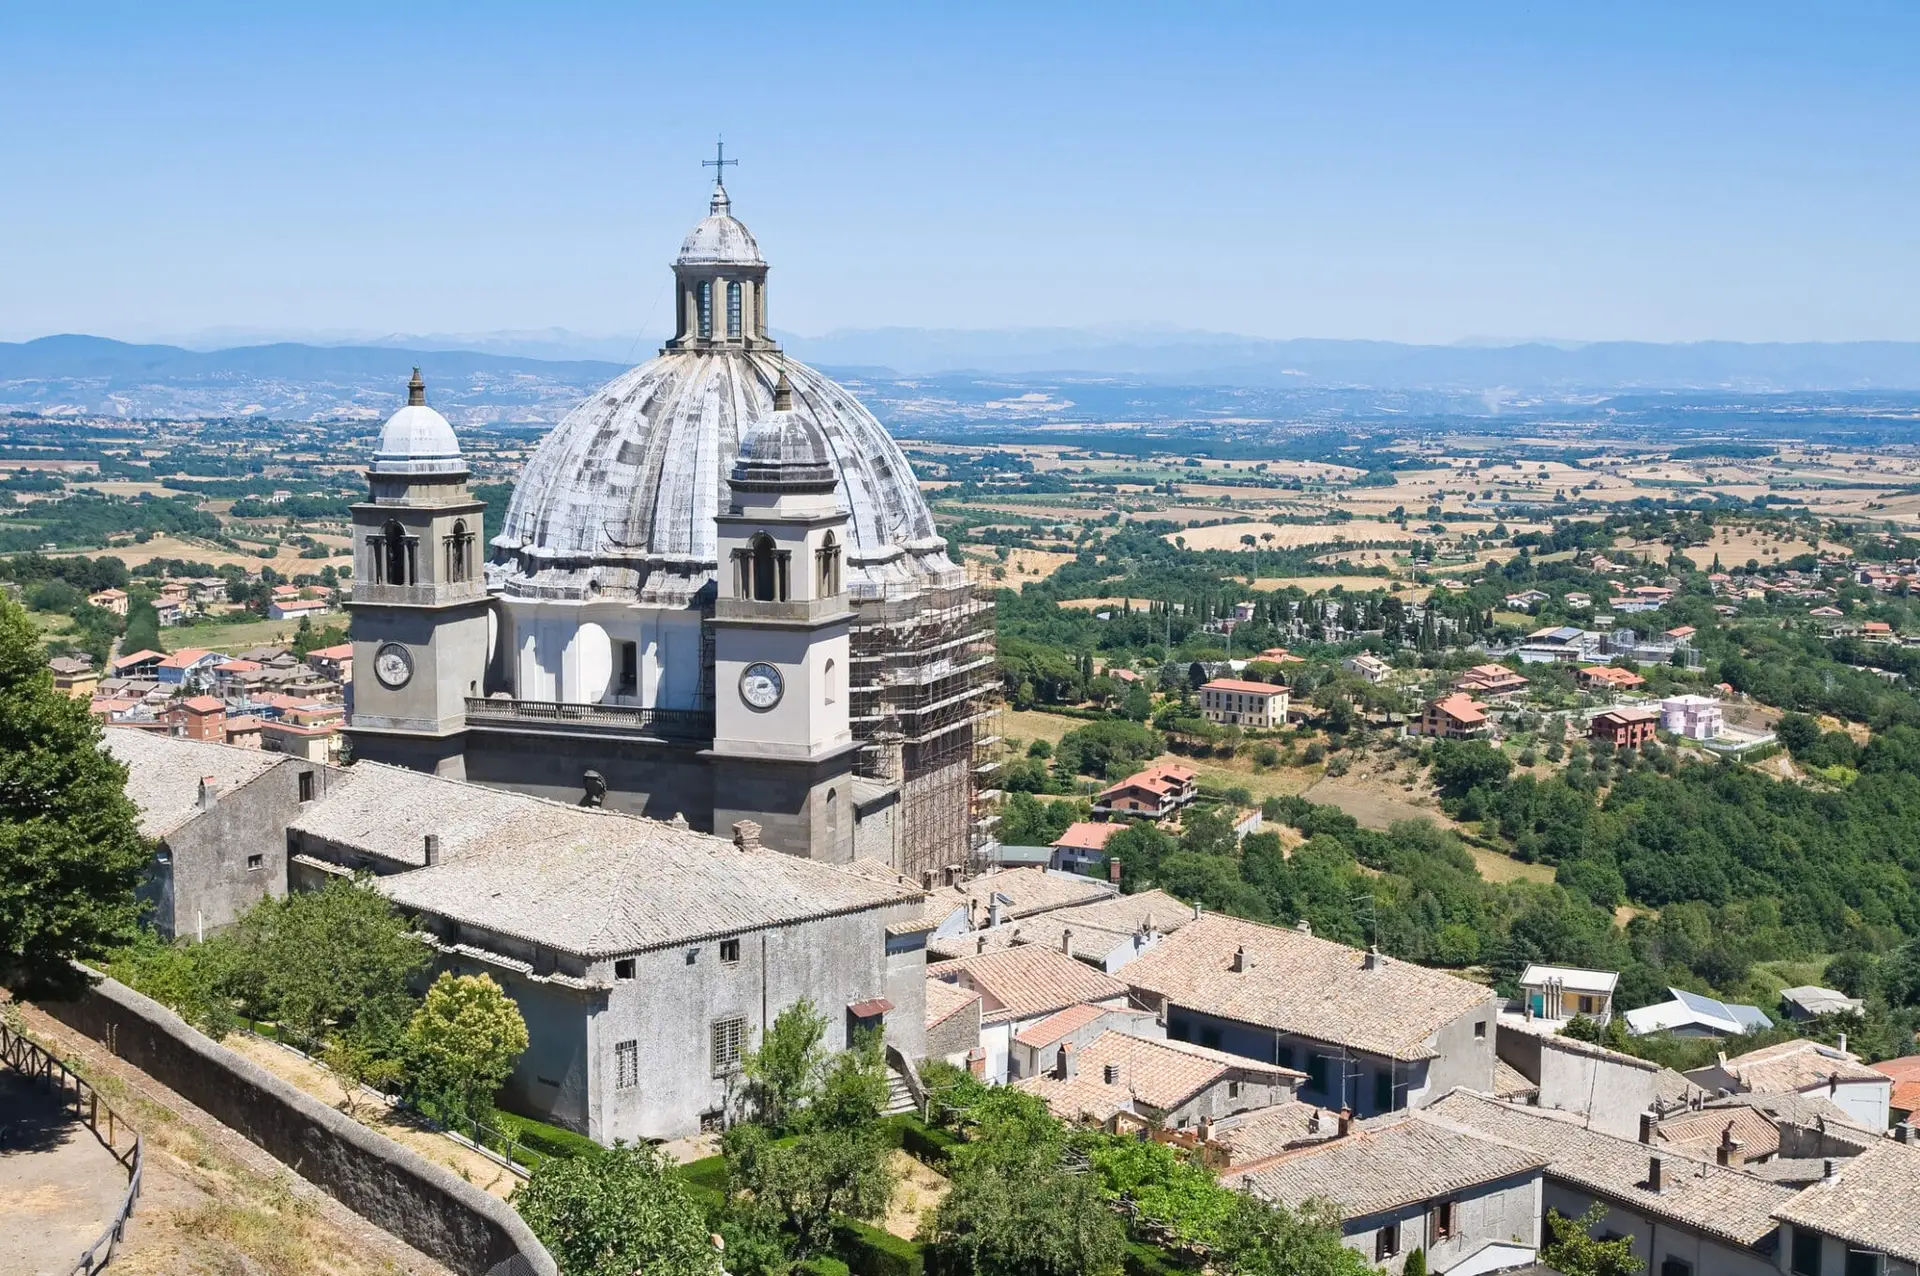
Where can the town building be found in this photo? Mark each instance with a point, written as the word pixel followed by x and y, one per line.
pixel 1862 1220
pixel 1690 1014
pixel 1129 1083
pixel 1691 716
pixel 1624 728
pixel 198 718
pixel 1409 1181
pixel 1083 845
pixel 137 664
pixel 1806 1001
pixel 114 600
pixel 1555 994
pixel 1158 792
pixel 1491 681
pixel 1020 986
pixel 334 662
pixel 717 593
pixel 1238 703
pixel 1606 1089
pixel 1807 1068
pixel 1372 1033
pixel 1608 678
pixel 1455 717
pixel 1368 666
pixel 1904 1100
pixel 1106 933
pixel 74 676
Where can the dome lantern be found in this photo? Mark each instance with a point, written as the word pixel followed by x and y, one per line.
pixel 721 280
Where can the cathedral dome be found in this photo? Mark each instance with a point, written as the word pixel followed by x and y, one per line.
pixel 720 239
pixel 416 439
pixel 782 449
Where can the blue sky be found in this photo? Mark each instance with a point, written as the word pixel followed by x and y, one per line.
pixel 1420 172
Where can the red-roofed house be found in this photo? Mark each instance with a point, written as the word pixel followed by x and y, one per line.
pixel 295 608
pixel 333 662
pixel 1083 844
pixel 1608 678
pixel 1455 717
pixel 1155 793
pixel 137 664
pixel 1625 728
pixel 199 718
pixel 1905 1100
pixel 1234 702
pixel 1490 681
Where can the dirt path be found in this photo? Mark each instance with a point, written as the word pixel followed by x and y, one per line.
pixel 58 1183
pixel 920 1190
pixel 213 1204
pixel 375 1114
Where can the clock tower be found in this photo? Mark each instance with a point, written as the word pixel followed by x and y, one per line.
pixel 783 746
pixel 420 611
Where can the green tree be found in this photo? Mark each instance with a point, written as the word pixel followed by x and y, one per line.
pixel 1265 1240
pixel 317 959
pixel 1571 1249
pixel 616 1211
pixel 70 847
pixel 1462 765
pixel 461 1043
pixel 783 1071
pixel 143 628
pixel 1042 1222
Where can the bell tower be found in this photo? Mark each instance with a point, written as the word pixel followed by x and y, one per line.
pixel 420 611
pixel 783 746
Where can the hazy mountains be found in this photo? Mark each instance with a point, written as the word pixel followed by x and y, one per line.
pixel 523 377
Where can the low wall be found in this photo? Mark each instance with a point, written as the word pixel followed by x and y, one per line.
pixel 391 1186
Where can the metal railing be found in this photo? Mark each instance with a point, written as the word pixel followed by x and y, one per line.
pixel 678 724
pixel 32 1060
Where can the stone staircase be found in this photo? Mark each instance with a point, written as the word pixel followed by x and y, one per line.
pixel 899 1094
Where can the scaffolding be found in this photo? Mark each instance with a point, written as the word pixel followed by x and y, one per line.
pixel 922 685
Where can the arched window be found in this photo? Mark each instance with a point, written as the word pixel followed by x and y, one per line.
pixel 833 816
pixel 733 307
pixel 397 554
pixel 827 560
pixel 766 586
pixel 704 296
pixel 458 546
pixel 830 682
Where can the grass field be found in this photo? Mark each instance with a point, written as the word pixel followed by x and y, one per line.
pixel 236 637
pixel 1290 535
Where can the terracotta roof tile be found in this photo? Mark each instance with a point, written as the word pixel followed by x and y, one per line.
pixel 1027 982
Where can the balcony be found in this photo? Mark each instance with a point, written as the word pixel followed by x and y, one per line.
pixel 417 595
pixel 667 724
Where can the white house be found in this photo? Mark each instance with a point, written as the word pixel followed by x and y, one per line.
pixel 1695 717
pixel 1559 993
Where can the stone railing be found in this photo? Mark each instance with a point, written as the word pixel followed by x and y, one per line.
pixel 672 724
pixel 417 595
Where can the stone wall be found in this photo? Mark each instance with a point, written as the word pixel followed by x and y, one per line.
pixel 391 1186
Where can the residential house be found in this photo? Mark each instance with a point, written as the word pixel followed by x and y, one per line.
pixel 1624 728
pixel 1156 793
pixel 1526 599
pixel 1368 666
pixel 953 1026
pixel 1410 1181
pixel 1234 702
pixel 1280 656
pixel 297 608
pixel 1105 934
pixel 138 664
pixel 1681 634
pixel 1694 717
pixel 1862 1220
pixel 1808 1068
pixel 1877 631
pixel 1786 1139
pixel 199 718
pixel 1686 1216
pixel 335 663
pixel 1492 681
pixel 1020 986
pixel 74 676
pixel 114 600
pixel 1556 994
pixel 1606 1089
pixel 1036 1047
pixel 1455 717
pixel 1372 1033
pixel 187 667
pixel 170 611
pixel 1084 844
pixel 217 820
pixel 1689 1014
pixel 1806 1001
pixel 1125 1082
pixel 965 906
pixel 1904 1100
pixel 1608 678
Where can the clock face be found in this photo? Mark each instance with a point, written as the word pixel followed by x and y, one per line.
pixel 392 665
pixel 761 686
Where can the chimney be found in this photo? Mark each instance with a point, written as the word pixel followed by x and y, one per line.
pixel 1206 1129
pixel 1646 1127
pixel 1903 1133
pixel 1065 1065
pixel 1729 1155
pixel 432 849
pixel 1373 960
pixel 1313 1121
pixel 1196 910
pixel 1304 926
pixel 1241 962
pixel 209 789
pixel 1833 1084
pixel 994 915
pixel 1146 923
pixel 982 944
pixel 1066 940
pixel 1653 1174
pixel 1111 1074
pixel 1113 871
pixel 1829 1170
pixel 977 1062
pixel 1346 1122
pixel 746 835
pixel 1843 1043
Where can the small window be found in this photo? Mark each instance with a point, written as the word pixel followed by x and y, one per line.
pixel 1386 1242
pixel 306 786
pixel 1233 1089
pixel 1383 1091
pixel 1861 1262
pixel 705 293
pixel 729 1043
pixel 1443 1226
pixel 692 955
pixel 729 951
pixel 1480 1031
pixel 1317 1073
pixel 255 863
pixel 623 970
pixel 1806 1252
pixel 626 1065
pixel 829 682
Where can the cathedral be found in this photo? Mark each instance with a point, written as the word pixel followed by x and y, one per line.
pixel 718 596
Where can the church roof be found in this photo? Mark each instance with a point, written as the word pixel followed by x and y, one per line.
pixel 720 239
pixel 164 773
pixel 416 439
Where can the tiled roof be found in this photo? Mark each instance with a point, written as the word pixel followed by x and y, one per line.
pixel 1266 1132
pixel 1244 687
pixel 1087 835
pixel 1303 985
pixel 1701 1133
pixel 1027 982
pixel 387 811
pixel 1511 1083
pixel 945 1000
pixel 1058 1025
pixel 1461 708
pixel 1027 891
pixel 1873 1201
pixel 164 773
pixel 1796 1065
pixel 1386 1162
pixel 203 704
pixel 1160 1074
pixel 1906 1080
pixel 1626 717
pixel 1098 928
pixel 1700 1194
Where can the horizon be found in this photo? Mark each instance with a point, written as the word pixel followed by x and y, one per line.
pixel 1403 176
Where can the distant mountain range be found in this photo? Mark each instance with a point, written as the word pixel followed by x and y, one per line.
pixel 507 378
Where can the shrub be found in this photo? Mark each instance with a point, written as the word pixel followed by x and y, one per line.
pixel 871 1251
pixel 549 1140
pixel 1316 752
